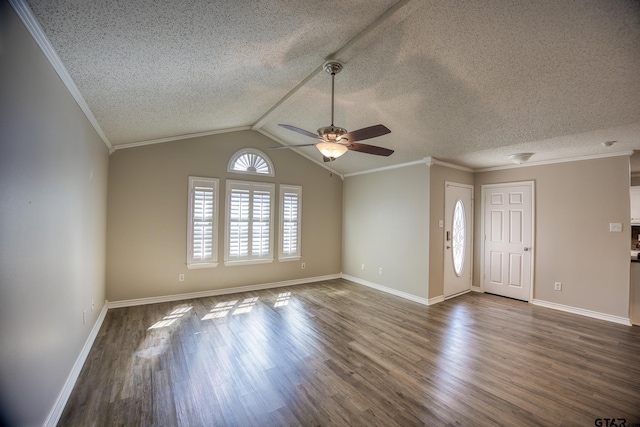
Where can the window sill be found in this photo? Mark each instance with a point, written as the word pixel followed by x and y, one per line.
pixel 203 265
pixel 247 262
pixel 291 258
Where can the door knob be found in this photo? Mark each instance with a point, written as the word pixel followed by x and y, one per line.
pixel 526 249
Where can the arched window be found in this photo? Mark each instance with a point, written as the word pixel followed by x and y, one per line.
pixel 251 161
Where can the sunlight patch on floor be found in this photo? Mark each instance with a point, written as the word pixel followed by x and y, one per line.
pixel 246 306
pixel 283 299
pixel 171 318
pixel 220 310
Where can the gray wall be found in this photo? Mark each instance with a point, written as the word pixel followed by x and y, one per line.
pixel 386 216
pixel 53 193
pixel 575 202
pixel 147 217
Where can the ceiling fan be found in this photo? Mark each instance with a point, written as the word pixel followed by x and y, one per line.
pixel 335 141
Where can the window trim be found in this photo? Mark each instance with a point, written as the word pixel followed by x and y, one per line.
pixel 215 184
pixel 252 186
pixel 297 189
pixel 256 152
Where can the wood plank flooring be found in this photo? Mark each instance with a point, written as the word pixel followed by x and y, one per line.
pixel 339 354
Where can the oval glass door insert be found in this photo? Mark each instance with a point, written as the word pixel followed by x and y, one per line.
pixel 458 237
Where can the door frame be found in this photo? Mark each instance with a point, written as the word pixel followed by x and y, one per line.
pixel 483 189
pixel 471 237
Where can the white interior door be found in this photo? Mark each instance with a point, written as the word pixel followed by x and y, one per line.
pixel 458 214
pixel 508 239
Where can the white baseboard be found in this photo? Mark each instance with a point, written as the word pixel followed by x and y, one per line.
pixel 583 312
pixel 216 292
pixel 392 291
pixel 63 397
pixel 436 300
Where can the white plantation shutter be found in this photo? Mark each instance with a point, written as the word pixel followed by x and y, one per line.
pixel 290 209
pixel 260 234
pixel 203 218
pixel 202 223
pixel 290 224
pixel 239 223
pixel 250 222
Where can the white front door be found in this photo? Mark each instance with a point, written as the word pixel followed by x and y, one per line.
pixel 458 214
pixel 508 239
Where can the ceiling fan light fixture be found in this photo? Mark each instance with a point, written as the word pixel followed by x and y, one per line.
pixel 334 140
pixel 332 150
pixel 520 158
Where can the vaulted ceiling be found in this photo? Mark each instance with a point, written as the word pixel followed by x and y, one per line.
pixel 468 82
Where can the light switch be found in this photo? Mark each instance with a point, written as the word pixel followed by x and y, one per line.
pixel 440 223
pixel 615 227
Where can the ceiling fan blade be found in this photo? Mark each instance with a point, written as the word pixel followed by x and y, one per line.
pixel 290 146
pixel 300 131
pixel 368 132
pixel 370 149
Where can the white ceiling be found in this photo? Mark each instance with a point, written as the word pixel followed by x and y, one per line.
pixel 465 82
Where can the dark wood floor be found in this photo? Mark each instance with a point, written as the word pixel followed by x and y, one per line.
pixel 336 353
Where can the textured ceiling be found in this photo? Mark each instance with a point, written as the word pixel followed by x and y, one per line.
pixel 465 82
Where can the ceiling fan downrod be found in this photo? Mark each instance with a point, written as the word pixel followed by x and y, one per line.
pixel 333 68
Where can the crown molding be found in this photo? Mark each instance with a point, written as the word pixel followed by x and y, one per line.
pixel 386 168
pixel 217 132
pixel 179 137
pixel 31 23
pixel 430 161
pixel 552 162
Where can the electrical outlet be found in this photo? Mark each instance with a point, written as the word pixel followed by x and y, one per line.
pixel 380 271
pixel 362 267
pixel 303 265
pixel 180 277
pixel 557 286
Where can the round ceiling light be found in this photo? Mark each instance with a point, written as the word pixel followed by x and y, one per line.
pixel 520 158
